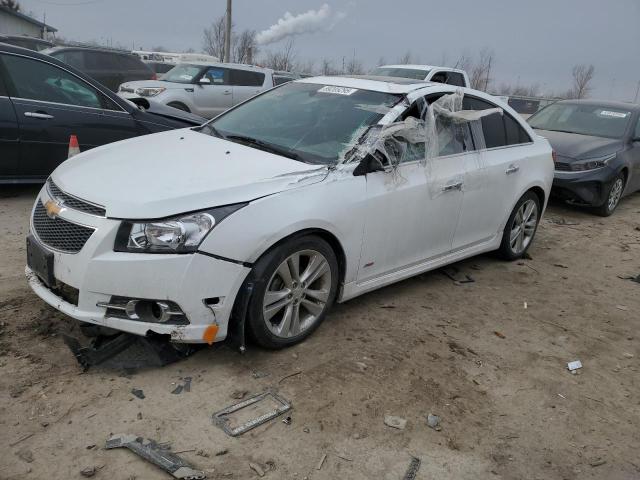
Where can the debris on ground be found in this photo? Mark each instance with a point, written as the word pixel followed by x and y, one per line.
pixel 499 334
pixel 257 468
pixel 395 422
pixel 412 470
pixel 624 308
pixel 560 265
pixel 157 454
pixel 573 366
pixel 597 462
pixel 138 393
pixel 561 222
pixel 89 472
pixel 25 455
pixel 224 451
pixel 258 374
pixel 239 394
pixel 633 278
pixel 286 420
pixel 222 417
pixel 453 273
pixel 177 390
pixel 433 421
pixel 321 462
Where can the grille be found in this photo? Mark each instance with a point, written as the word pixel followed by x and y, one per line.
pixel 58 233
pixel 74 203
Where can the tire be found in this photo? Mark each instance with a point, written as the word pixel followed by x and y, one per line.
pixel 281 311
pixel 613 196
pixel 513 248
pixel 179 106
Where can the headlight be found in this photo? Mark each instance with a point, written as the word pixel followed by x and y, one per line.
pixel 149 91
pixel 181 234
pixel 592 163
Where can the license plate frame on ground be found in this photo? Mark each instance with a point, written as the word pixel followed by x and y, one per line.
pixel 40 261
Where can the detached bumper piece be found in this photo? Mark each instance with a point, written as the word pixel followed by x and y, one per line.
pixel 156 454
pixel 277 407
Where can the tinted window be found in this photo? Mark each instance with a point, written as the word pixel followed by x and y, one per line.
pixel 515 133
pixel 75 58
pixel 101 61
pixel 3 89
pixel 246 78
pixel 636 135
pixel 492 125
pixel 37 80
pixel 279 80
pixel 455 79
pixel 129 62
pixel 439 77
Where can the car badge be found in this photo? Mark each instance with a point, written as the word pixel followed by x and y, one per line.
pixel 53 208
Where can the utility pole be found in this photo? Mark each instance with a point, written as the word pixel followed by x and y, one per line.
pixel 635 99
pixel 227 35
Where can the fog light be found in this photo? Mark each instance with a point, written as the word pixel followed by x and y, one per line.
pixel 143 310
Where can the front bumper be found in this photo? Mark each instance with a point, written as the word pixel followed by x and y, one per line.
pixel 585 188
pixel 98 273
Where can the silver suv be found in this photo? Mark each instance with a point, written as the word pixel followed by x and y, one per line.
pixel 206 89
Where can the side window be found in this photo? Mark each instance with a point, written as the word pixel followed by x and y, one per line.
pixel 492 125
pixel 279 80
pixel 101 61
pixel 456 79
pixel 217 76
pixel 246 78
pixel 36 80
pixel 439 77
pixel 129 62
pixel 71 57
pixel 515 133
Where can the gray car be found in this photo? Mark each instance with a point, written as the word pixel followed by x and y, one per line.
pixel 597 148
pixel 206 89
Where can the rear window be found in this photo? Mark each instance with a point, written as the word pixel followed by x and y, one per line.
pixel 413 73
pixel 499 130
pixel 101 61
pixel 456 79
pixel 130 62
pixel 246 78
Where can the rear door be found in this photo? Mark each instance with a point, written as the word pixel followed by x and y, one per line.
pixel 9 134
pixel 51 104
pixel 105 68
pixel 246 84
pixel 134 69
pixel 213 94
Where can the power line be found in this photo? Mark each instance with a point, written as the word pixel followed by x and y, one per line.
pixel 68 4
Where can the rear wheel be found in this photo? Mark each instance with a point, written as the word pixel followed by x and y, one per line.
pixel 521 227
pixel 299 280
pixel 179 106
pixel 613 197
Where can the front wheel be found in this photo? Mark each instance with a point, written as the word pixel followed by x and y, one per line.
pixel 296 286
pixel 521 227
pixel 613 197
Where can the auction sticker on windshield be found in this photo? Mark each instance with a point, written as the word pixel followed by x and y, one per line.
pixel 338 90
pixel 609 113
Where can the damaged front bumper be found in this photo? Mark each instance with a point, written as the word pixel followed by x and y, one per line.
pixel 201 286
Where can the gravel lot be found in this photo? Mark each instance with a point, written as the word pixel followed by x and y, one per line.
pixel 493 369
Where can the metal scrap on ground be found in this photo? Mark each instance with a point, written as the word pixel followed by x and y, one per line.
pixel 412 471
pixel 156 454
pixel 221 418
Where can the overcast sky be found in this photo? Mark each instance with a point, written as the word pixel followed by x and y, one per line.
pixel 533 42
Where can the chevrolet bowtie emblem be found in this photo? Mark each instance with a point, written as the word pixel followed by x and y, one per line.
pixel 53 208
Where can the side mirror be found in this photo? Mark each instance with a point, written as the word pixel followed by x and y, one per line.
pixel 368 164
pixel 204 81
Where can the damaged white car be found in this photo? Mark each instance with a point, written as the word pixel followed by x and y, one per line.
pixel 311 193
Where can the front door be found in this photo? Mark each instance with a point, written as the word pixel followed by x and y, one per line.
pixel 213 93
pixel 9 135
pixel 51 104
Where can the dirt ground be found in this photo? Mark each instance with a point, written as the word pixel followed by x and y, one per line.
pixel 489 357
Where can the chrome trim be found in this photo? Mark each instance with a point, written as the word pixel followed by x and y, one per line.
pixel 53 197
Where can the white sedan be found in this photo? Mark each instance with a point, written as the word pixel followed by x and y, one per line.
pixel 312 193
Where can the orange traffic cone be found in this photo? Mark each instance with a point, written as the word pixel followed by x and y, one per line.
pixel 74 148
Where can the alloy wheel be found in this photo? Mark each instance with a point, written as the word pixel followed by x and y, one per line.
pixel 615 194
pixel 523 227
pixel 297 293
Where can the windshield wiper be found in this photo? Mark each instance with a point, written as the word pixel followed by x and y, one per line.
pixel 267 147
pixel 212 130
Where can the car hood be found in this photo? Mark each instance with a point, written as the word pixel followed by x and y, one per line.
pixel 573 146
pixel 154 84
pixel 178 171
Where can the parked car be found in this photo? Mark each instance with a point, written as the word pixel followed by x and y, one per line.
pixel 107 66
pixel 598 150
pixel 31 43
pixel 159 68
pixel 279 207
pixel 206 89
pixel 43 101
pixel 430 73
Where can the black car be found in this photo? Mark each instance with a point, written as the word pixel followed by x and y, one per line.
pixel 43 101
pixel 109 67
pixel 597 146
pixel 31 43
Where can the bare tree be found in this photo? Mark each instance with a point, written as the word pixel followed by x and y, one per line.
pixel 354 67
pixel 480 71
pixel 282 60
pixel 245 47
pixel 381 61
pixel 213 38
pixel 308 66
pixel 11 4
pixel 582 76
pixel 406 59
pixel 327 67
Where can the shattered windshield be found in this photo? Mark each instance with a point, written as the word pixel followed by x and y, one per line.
pixel 182 73
pixel 412 73
pixel 310 122
pixel 583 119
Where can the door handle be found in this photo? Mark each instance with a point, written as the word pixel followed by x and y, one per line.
pixel 227 92
pixel 512 169
pixel 43 116
pixel 453 186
